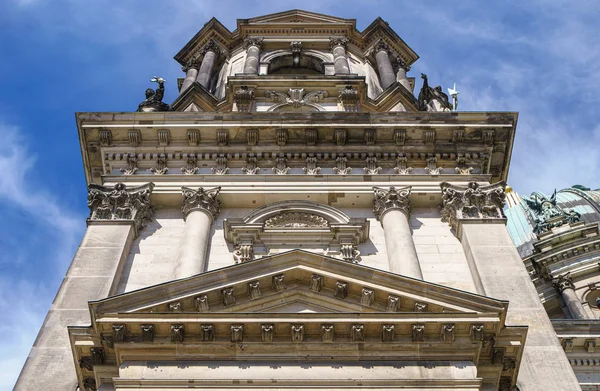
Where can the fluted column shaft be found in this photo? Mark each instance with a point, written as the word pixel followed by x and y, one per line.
pixel 340 58
pixel 392 208
pixel 564 285
pixel 384 65
pixel 200 207
pixel 253 46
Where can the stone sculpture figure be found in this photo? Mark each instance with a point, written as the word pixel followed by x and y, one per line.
pixel 547 214
pixel 432 99
pixel 154 98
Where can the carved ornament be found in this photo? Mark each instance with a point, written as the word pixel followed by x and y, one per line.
pixel 338 41
pixel 253 41
pixel 349 98
pixel 472 202
pixel 563 282
pixel 120 203
pixel 296 97
pixel 391 199
pixel 243 98
pixel 201 199
pixel 296 220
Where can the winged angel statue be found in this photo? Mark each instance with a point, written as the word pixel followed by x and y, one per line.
pixel 295 97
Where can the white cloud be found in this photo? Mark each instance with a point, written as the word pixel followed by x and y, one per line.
pixel 24 299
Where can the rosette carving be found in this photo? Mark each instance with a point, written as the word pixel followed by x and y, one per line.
pixel 120 203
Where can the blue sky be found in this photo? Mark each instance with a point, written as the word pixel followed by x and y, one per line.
pixel 539 58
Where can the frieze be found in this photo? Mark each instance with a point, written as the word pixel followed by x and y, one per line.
pixel 472 202
pixel 391 199
pixel 120 203
pixel 201 199
pixel 296 220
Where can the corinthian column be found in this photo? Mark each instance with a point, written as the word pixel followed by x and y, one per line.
pixel 191 72
pixel 199 209
pixel 564 285
pixel 210 53
pixel 392 208
pixel 116 214
pixel 384 65
pixel 340 59
pixel 253 45
pixel 475 213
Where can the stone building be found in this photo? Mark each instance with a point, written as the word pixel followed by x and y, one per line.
pixel 559 241
pixel 299 217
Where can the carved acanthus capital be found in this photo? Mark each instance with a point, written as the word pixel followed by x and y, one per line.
pixel 193 63
pixel 338 41
pixel 563 282
pixel 472 202
pixel 392 198
pixel 120 203
pixel 211 46
pixel 398 64
pixel 201 199
pixel 253 41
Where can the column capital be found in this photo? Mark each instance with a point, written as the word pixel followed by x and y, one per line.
pixel 193 63
pixel 253 41
pixel 561 283
pixel 398 63
pixel 201 199
pixel 381 46
pixel 338 41
pixel 392 198
pixel 210 46
pixel 472 202
pixel 121 203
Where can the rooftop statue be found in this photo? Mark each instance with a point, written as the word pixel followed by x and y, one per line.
pixel 432 99
pixel 547 214
pixel 154 98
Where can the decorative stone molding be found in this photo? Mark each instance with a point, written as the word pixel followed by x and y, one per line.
pixel 367 297
pixel 372 168
pixel 296 220
pixel 311 136
pixel 175 307
pixel 421 307
pixel 253 41
pixel 201 199
pixel 164 137
pixel 202 303
pixel 311 166
pixel 462 168
pixel 392 303
pixel 295 97
pixel 472 202
pixel 237 333
pixel 131 165
pixel 388 333
pixel 105 137
pixel 281 167
pixel 252 137
pixel 221 166
pixel 120 203
pixel 191 165
pixel 97 355
pixel 222 137
pixel 563 282
pixel 418 333
pixel 505 383
pixel 399 136
pixel 297 333
pixel 590 345
pixel 349 98
pixel 370 135
pixel 135 137
pixel 243 98
pixel 432 167
pixel 254 290
pixel 341 167
pixel 161 165
pixel 296 46
pixel 86 363
pixel 429 137
pixel 357 333
pixel 567 345
pixel 391 198
pixel 487 136
pixel 227 296
pixel 243 253
pixel 341 289
pixel 281 136
pixel 89 384
pixel 251 167
pixel 350 253
pixel 398 64
pixel 193 137
pixel 147 332
pixel 327 332
pixel 278 283
pixel 477 332
pixel 177 331
pixel 402 167
pixel 447 333
pixel 266 332
pixel 340 136
pixel 458 136
pixel 207 332
pixel 316 283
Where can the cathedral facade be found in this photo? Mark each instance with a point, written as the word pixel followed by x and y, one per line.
pixel 300 217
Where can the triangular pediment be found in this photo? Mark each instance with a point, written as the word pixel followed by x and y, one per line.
pixel 300 17
pixel 298 281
